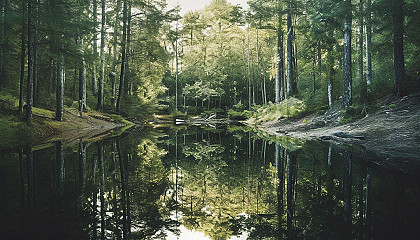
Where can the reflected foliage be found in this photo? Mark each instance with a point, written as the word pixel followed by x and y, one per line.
pixel 221 182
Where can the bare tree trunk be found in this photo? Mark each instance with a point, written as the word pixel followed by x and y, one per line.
pixel 102 54
pixel 126 89
pixel 60 90
pixel 258 56
pixel 113 74
pixel 368 45
pixel 363 95
pixel 176 70
pixel 290 63
pixel 398 30
pixel 29 89
pixel 249 75
pixel 95 48
pixel 22 59
pixel 82 86
pixel 280 64
pixel 331 74
pixel 123 52
pixel 347 72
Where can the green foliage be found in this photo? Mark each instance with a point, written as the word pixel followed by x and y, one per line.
pixel 291 107
pixel 239 116
pixel 13 132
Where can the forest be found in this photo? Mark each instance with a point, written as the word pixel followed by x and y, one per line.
pixel 282 119
pixel 133 57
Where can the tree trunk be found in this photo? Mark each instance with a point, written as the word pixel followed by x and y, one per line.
pixel 258 56
pixel 176 69
pixel 113 74
pixel 3 41
pixel 60 90
pixel 331 74
pixel 280 69
pixel 95 48
pixel 29 86
pixel 102 70
pixel 398 30
pixel 126 89
pixel 368 45
pixel 82 87
pixel 363 95
pixel 347 185
pixel 314 74
pixel 347 72
pixel 123 43
pixel 290 63
pixel 249 75
pixel 22 59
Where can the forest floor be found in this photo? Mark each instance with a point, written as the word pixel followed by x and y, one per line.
pixel 392 132
pixel 92 125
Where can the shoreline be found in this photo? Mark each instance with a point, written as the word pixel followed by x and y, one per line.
pixel 392 132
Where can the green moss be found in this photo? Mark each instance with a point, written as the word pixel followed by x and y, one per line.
pixel 119 119
pixel 43 112
pixel 13 133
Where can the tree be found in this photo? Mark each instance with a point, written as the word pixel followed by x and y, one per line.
pixel 368 48
pixel 60 90
pixel 290 58
pixel 280 64
pixel 95 47
pixel 398 32
pixel 347 72
pixel 102 68
pixel 29 86
pixel 82 85
pixel 123 55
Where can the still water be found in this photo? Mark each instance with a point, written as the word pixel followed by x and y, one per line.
pixel 203 183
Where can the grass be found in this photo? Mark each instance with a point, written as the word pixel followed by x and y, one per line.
pixel 291 107
pixel 13 132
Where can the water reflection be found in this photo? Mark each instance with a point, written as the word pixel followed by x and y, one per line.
pixel 195 183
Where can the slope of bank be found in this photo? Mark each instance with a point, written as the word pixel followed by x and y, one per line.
pixel 392 132
pixel 44 128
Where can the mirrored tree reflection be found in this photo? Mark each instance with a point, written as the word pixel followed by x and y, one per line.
pixel 219 183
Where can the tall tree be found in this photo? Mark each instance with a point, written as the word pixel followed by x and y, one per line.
pixel 22 57
pixel 290 59
pixel 29 86
pixel 347 72
pixel 363 94
pixel 368 46
pixel 398 31
pixel 60 89
pixel 102 69
pixel 82 85
pixel 123 55
pixel 95 47
pixel 280 59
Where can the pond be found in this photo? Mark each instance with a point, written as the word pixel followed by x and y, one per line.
pixel 199 182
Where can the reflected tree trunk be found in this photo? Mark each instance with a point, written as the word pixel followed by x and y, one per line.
pixel 60 164
pixel 123 189
pixel 280 189
pixel 347 185
pixel 368 223
pixel 102 186
pixel 82 163
pixel 290 165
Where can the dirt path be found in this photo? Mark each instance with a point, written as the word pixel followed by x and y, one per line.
pixel 393 132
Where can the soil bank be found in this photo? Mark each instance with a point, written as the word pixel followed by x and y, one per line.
pixel 392 132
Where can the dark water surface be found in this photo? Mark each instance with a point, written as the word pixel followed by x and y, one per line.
pixel 198 183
